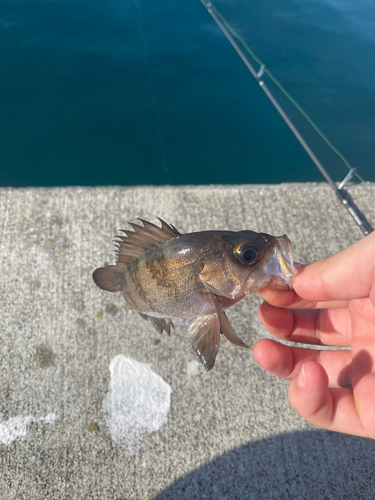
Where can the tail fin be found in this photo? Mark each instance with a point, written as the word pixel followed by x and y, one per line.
pixel 108 278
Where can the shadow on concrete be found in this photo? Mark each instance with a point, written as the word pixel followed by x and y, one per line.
pixel 303 465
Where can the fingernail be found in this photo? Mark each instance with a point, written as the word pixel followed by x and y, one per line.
pixel 301 379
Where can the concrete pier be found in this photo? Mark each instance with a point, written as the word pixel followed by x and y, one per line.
pixel 229 433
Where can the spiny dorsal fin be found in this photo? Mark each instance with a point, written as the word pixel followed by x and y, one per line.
pixel 143 238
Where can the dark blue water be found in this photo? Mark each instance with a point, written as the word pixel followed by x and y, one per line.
pixel 150 92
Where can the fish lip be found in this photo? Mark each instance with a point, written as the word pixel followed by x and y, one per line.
pixel 280 269
pixel 285 257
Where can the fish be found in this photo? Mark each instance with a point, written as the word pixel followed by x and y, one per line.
pixel 165 275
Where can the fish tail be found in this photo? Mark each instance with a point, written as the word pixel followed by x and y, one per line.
pixel 109 278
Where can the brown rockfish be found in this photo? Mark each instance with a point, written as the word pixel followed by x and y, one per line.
pixel 163 275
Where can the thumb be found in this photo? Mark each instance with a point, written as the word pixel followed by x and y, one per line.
pixel 372 292
pixel 347 275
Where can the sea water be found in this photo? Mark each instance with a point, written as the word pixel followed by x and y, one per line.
pixel 150 91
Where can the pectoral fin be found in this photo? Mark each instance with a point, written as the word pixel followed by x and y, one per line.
pixel 226 327
pixel 205 339
pixel 159 323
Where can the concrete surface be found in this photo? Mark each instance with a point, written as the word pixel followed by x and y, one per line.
pixel 230 433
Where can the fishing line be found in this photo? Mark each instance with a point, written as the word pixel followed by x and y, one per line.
pixel 341 193
pixel 284 91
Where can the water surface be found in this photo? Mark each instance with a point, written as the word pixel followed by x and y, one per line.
pixel 150 92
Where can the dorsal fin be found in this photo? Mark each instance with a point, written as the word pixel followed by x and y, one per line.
pixel 143 238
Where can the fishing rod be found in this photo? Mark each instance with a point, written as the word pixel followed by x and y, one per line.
pixel 341 193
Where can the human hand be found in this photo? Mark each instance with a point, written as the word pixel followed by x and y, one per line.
pixel 332 303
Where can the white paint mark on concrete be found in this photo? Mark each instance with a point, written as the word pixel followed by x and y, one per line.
pixel 16 427
pixel 137 402
pixel 192 368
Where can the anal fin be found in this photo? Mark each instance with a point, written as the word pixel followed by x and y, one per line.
pixel 205 339
pixel 159 323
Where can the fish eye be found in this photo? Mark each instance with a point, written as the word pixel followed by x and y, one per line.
pixel 247 254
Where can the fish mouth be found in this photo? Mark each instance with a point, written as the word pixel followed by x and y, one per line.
pixel 281 265
pixel 285 256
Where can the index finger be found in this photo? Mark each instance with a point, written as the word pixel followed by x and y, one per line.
pixel 346 275
pixel 289 298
